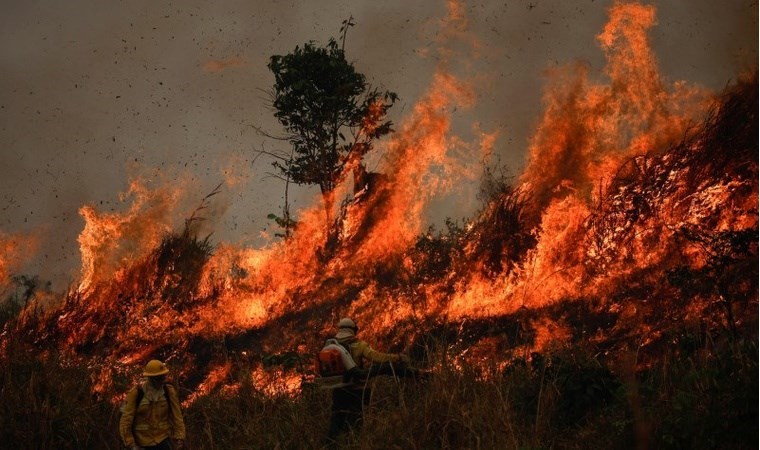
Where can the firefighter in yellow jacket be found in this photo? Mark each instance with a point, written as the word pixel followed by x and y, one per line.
pixel 152 418
pixel 348 401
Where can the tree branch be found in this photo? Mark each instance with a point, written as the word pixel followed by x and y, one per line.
pixel 273 155
pixel 276 177
pixel 260 131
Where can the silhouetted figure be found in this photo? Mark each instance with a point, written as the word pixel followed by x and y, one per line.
pixel 349 398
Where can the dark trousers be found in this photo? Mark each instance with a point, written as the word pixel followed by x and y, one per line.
pixel 347 406
pixel 166 444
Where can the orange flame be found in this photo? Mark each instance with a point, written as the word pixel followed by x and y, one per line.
pixel 588 129
pixel 108 241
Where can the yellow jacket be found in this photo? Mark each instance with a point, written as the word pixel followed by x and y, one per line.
pixel 361 351
pixel 154 419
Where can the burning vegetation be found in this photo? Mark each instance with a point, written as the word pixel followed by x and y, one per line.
pixel 630 238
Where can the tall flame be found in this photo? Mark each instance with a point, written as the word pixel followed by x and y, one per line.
pixel 109 240
pixel 589 128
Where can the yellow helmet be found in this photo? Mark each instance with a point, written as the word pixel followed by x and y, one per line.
pixel 155 368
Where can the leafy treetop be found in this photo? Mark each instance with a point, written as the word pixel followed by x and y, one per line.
pixel 330 113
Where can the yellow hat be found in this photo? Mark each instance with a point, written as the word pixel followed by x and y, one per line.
pixel 155 368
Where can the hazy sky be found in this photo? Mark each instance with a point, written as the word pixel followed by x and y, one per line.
pixel 94 90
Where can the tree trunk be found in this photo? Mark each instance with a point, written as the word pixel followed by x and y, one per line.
pixel 327 201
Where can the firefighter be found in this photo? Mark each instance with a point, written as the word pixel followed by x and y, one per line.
pixel 349 401
pixel 152 418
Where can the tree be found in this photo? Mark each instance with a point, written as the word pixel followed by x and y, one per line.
pixel 330 113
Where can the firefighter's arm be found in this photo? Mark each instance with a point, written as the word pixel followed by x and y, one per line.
pixel 175 413
pixel 355 374
pixel 127 418
pixel 380 357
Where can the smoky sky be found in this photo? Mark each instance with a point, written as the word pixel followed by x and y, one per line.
pixel 95 91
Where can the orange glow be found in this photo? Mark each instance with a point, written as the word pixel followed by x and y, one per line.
pixel 215 378
pixel 14 250
pixel 276 382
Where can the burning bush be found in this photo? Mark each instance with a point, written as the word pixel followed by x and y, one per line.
pixel 501 236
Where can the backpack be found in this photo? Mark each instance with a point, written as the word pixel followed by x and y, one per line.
pixel 334 359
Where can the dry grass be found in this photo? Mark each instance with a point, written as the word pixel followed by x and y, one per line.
pixel 697 396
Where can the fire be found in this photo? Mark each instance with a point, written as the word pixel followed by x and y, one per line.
pixel 110 240
pixel 277 382
pixel 421 146
pixel 618 192
pixel 214 379
pixel 589 128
